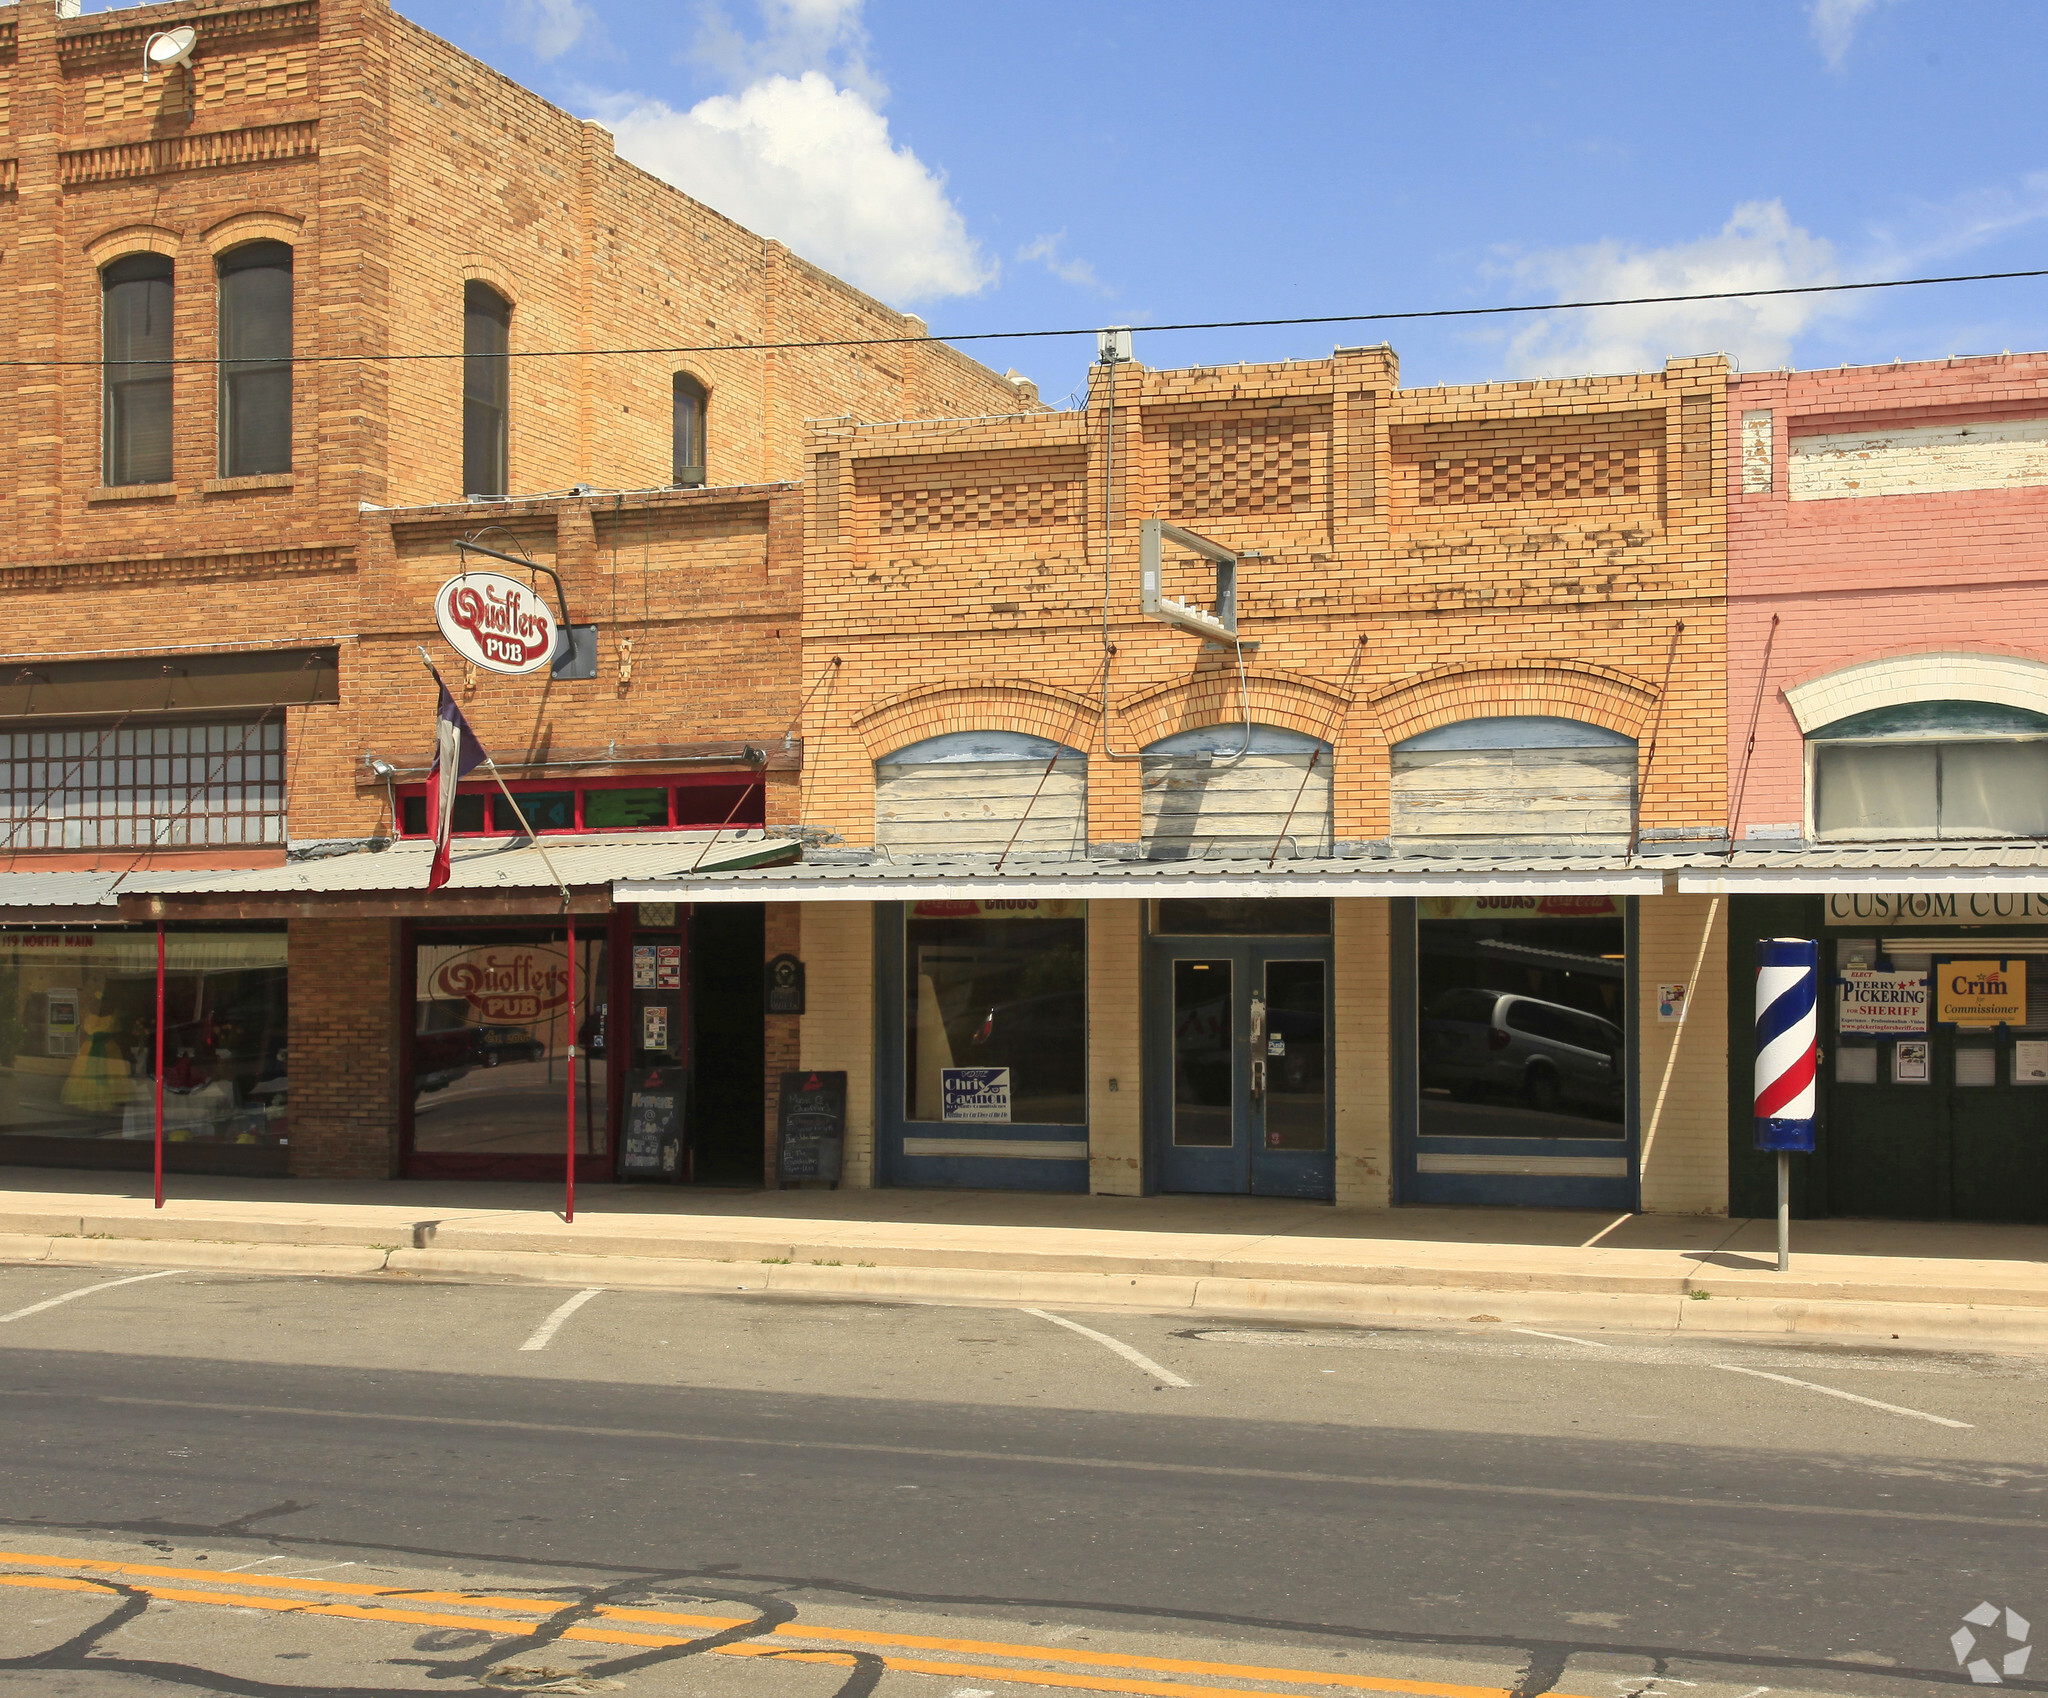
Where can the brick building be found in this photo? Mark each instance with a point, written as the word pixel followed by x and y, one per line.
pixel 1374 907
pixel 1888 705
pixel 294 315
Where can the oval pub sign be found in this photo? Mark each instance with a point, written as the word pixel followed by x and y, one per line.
pixel 495 622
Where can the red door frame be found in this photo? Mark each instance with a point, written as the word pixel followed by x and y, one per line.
pixel 618 932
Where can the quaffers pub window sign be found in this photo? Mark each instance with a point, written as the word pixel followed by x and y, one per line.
pixel 1961 907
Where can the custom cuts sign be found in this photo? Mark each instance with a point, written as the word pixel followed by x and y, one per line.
pixel 495 622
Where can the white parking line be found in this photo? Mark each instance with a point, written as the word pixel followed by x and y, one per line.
pixel 1561 1338
pixel 1165 1376
pixel 87 1291
pixel 1845 1396
pixel 553 1324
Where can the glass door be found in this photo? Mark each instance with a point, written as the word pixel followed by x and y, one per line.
pixel 1239 1037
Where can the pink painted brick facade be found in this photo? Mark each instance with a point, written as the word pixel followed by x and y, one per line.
pixel 1861 577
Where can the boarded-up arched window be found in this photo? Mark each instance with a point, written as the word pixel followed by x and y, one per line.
pixel 1521 786
pixel 980 793
pixel 1203 801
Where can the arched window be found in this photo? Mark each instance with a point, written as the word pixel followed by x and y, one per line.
pixel 1942 769
pixel 1517 785
pixel 486 387
pixel 256 359
pixel 982 793
pixel 1207 795
pixel 135 332
pixel 692 406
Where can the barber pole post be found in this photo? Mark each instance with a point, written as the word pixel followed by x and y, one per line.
pixel 1787 1023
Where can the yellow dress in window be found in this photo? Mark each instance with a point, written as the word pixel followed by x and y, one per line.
pixel 99 1078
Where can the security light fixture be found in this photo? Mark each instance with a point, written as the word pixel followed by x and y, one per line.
pixel 381 770
pixel 1113 345
pixel 168 48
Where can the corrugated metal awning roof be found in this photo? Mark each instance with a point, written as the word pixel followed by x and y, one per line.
pixel 57 890
pixel 976 878
pixel 1901 868
pixel 477 864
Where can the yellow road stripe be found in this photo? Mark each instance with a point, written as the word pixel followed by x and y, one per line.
pixel 844 1635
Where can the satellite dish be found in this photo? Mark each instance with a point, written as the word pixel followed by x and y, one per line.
pixel 168 48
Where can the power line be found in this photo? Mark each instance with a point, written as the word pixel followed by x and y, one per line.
pixel 1080 330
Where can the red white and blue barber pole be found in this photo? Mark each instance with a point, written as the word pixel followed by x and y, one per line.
pixel 1787 1029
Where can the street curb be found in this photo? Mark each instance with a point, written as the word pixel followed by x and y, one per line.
pixel 1356 1302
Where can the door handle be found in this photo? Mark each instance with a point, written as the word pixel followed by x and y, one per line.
pixel 1258 1077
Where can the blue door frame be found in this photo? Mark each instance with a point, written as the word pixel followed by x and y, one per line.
pixel 933 1153
pixel 1526 1172
pixel 1248 1075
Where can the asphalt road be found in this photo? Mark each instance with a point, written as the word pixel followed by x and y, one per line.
pixel 1456 1510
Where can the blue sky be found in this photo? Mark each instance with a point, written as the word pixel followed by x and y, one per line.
pixel 996 165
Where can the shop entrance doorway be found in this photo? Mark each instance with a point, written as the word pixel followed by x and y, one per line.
pixel 1517 1050
pixel 1944 1122
pixel 1239 1040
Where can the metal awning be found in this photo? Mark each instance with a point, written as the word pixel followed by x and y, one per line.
pixel 486 875
pixel 976 878
pixel 1902 870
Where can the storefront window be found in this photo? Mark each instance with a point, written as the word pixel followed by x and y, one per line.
pixel 78 1036
pixel 996 1027
pixel 1523 1017
pixel 491 1030
pixel 1932 769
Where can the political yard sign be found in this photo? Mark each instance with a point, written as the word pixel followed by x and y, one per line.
pixel 975 1094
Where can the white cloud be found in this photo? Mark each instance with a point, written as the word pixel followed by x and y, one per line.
pixel 1834 24
pixel 549 27
pixel 1758 248
pixel 813 165
pixel 795 36
pixel 1046 251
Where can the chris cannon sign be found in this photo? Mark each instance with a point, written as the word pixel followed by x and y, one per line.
pixel 495 622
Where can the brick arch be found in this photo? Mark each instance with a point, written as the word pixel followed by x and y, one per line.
pixel 1064 716
pixel 1212 697
pixel 131 239
pixel 1599 695
pixel 253 227
pixel 483 271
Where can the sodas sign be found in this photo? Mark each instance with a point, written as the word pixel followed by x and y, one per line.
pixel 495 622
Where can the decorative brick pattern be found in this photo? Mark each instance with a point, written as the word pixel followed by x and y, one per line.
pixel 940 507
pixel 256 145
pixel 1598 695
pixel 1216 464
pixel 1448 469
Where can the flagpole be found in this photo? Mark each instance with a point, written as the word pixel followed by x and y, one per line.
pixel 518 812
pixel 159 1064
pixel 569 1212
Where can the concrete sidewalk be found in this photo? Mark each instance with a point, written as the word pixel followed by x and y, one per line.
pixel 1927 1282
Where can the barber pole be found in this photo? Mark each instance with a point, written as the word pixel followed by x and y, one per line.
pixel 1787 1025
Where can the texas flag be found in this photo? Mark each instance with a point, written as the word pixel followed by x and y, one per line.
pixel 457 753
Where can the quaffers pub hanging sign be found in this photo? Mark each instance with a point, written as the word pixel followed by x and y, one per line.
pixel 495 622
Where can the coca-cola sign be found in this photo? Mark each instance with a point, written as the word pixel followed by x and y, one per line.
pixel 495 622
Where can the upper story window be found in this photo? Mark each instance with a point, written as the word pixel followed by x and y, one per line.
pixel 699 801
pixel 692 402
pixel 486 388
pixel 983 793
pixel 165 785
pixel 1522 784
pixel 256 360
pixel 1216 792
pixel 135 331
pixel 1954 769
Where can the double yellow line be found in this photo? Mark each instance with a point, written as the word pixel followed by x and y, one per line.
pixel 618 1624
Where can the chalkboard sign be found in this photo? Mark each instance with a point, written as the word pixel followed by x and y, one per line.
pixel 653 1145
pixel 812 1124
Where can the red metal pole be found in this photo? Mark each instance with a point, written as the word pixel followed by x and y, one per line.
pixel 159 1065
pixel 569 1213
